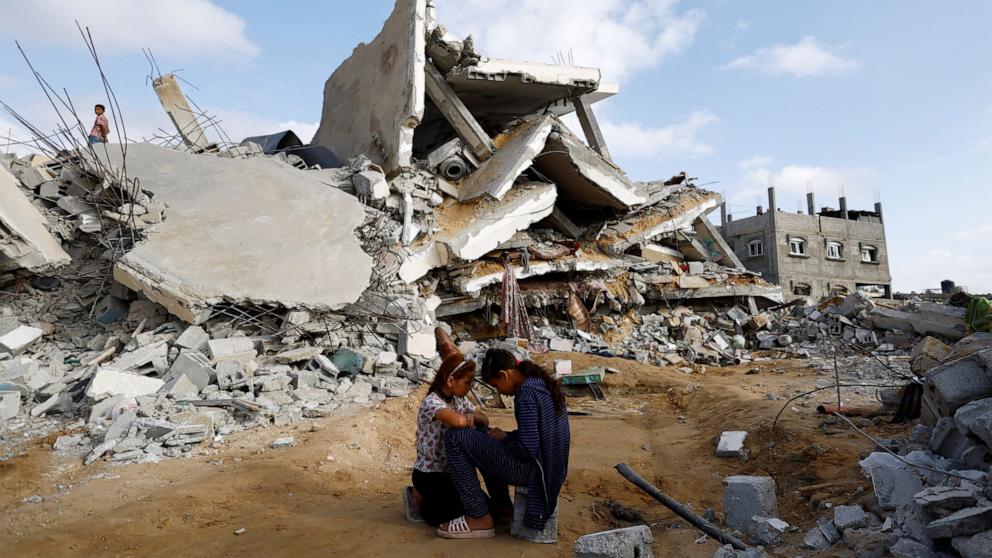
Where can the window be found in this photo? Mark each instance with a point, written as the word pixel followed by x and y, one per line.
pixel 797 247
pixel 869 254
pixel 755 248
pixel 835 251
pixel 802 289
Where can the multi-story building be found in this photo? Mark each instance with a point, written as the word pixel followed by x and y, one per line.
pixel 813 254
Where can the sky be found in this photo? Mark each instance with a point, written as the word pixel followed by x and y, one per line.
pixel 888 100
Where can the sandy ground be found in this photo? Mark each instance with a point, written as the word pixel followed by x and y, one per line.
pixel 337 492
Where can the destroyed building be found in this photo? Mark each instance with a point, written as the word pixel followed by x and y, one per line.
pixel 815 254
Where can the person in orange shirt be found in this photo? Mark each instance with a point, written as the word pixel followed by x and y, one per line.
pixel 101 128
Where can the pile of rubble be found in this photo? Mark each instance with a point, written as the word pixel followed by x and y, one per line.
pixel 157 297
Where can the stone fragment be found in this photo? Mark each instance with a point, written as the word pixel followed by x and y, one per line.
pixel 417 340
pixel 830 532
pixel 548 535
pixel 731 444
pixel 196 367
pixel 107 381
pixel 560 345
pixel 968 521
pixel 142 356
pixel 67 442
pixel 816 540
pixel 631 542
pixel 118 429
pixel 371 184
pixel 240 349
pixel 180 388
pixel 867 543
pixel 966 416
pixel 944 500
pixel 908 548
pixel 286 442
pixel 19 339
pixel 928 353
pixel 893 481
pixel 99 451
pixel 978 546
pixel 956 383
pixel 765 530
pixel 193 338
pixel 300 354
pixel 10 404
pixel 850 517
pixel 747 496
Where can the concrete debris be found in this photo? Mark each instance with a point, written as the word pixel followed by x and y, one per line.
pixel 747 496
pixel 25 240
pixel 765 530
pixel 619 543
pixel 731 444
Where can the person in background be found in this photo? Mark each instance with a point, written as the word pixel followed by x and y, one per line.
pixel 533 456
pixel 433 497
pixel 101 127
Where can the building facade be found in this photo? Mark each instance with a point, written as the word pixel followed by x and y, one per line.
pixel 814 254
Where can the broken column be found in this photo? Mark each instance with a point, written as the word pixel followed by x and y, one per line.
pixel 177 107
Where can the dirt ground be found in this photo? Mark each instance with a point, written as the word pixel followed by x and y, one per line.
pixel 337 492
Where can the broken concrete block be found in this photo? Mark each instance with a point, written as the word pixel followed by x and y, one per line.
pixel 927 354
pixel 240 349
pixel 10 404
pixel 26 241
pixel 548 535
pixel 747 496
pixel 731 444
pixel 19 339
pixel 867 543
pixel 967 414
pixel 956 383
pixel 118 429
pixel 978 546
pixel 181 387
pixel 657 253
pixel 141 356
pixel 765 530
pixel 563 368
pixel 850 517
pixel 894 483
pixel 968 521
pixel 560 345
pixel 104 408
pixel 631 542
pixel 944 500
pixel 283 219
pixel 67 442
pixel 496 175
pixel 280 443
pixel 99 451
pixel 371 184
pixel 107 381
pixel 193 338
pixel 816 540
pixel 196 367
pixel 908 548
pixel 300 354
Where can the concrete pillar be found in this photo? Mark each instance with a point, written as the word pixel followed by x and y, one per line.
pixel 843 207
pixel 730 217
pixel 878 209
pixel 177 107
pixel 723 214
pixel 771 199
pixel 810 203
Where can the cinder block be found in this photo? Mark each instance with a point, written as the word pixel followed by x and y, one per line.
pixel 632 542
pixel 547 536
pixel 747 496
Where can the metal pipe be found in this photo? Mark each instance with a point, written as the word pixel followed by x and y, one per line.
pixel 682 511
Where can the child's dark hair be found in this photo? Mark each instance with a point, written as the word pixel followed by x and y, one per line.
pixel 500 359
pixel 455 367
pixel 101 107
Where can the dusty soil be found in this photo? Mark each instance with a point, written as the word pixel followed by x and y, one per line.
pixel 337 492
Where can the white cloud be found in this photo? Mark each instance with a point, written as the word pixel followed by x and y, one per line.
pixel 793 181
pixel 679 139
pixel 181 28
pixel 620 37
pixel 754 162
pixel 968 268
pixel 743 25
pixel 804 59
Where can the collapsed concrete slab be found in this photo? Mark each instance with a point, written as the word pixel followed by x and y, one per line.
pixel 929 318
pixel 470 230
pixel 497 91
pixel 267 233
pixel 375 98
pixel 482 274
pixel 677 212
pixel 583 176
pixel 517 150
pixel 24 238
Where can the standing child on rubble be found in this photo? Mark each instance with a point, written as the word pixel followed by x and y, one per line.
pixel 101 128
pixel 433 497
pixel 534 456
